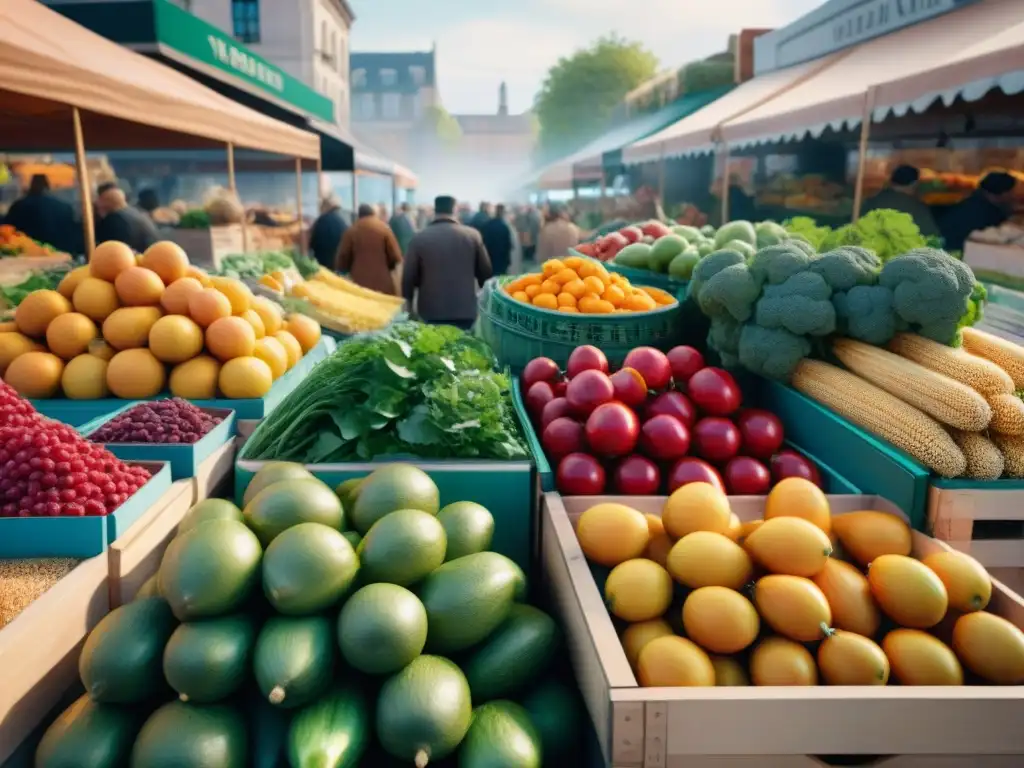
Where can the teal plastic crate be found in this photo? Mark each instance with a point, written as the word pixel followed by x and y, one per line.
pixel 78 412
pixel 646 278
pixel 184 459
pixel 81 537
pixel 834 482
pixel 871 464
pixel 506 488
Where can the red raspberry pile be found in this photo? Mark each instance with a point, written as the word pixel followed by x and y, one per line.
pixel 163 421
pixel 47 469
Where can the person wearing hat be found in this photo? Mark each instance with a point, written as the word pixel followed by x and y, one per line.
pixel 44 217
pixel 901 195
pixel 369 253
pixel 444 266
pixel 990 205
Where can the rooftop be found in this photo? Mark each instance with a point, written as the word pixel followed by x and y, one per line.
pixel 392 71
pixel 496 124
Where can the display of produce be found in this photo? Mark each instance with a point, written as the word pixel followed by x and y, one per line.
pixel 50 470
pixel 172 421
pixel 1006 234
pixel 39 280
pixel 812 193
pixel 132 327
pixel 243 266
pixel 578 285
pixel 342 305
pixel 22 582
pixel 307 631
pixel 15 243
pixel 657 423
pixel 799 597
pixel 412 389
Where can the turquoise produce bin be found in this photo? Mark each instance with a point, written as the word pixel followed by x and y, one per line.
pixel 184 459
pixel 78 412
pixel 871 464
pixel 81 537
pixel 506 488
pixel 834 482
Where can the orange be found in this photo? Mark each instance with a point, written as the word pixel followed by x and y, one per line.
pixel 797 497
pixel 566 300
pixel 610 533
pixel 208 305
pixel 696 507
pixel 637 635
pixel 600 307
pixel 291 346
pixel 778 661
pixel 573 262
pixel 237 292
pixel 586 304
pixel 71 280
pixel 255 321
pixel 674 662
pixel 230 337
pixel 528 280
pixel 95 298
pixel 550 286
pixel 197 274
pixel 545 301
pixel 176 295
pixel 37 310
pixel 552 267
pixel 269 313
pixel 35 374
pixel 139 287
pixel 135 374
pixel 614 295
pixel 618 279
pixel 565 276
pixel 271 351
pixel 195 379
pixel 576 287
pixel 167 259
pixel 110 259
pixel 13 345
pixel 532 290
pixel 175 339
pixel 515 285
pixel 305 329
pixel 569 310
pixel 720 620
pixel 522 296
pixel 85 378
pixel 594 285
pixel 68 335
pixel 129 327
pixel 639 302
pixel 245 377
pixel 587 269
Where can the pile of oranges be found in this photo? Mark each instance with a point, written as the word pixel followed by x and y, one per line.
pixel 579 285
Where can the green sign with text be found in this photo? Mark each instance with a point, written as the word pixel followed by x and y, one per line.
pixel 205 43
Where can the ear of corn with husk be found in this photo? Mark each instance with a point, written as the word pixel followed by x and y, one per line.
pixel 984 459
pixel 1002 352
pixel 982 375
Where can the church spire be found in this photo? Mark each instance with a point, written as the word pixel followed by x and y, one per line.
pixel 503 99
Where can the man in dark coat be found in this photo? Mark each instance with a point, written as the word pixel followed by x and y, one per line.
pixel 497 236
pixel 45 218
pixel 328 229
pixel 988 206
pixel 401 224
pixel 445 264
pixel 121 222
pixel 481 217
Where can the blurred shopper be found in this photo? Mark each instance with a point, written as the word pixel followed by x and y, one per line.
pixel 499 240
pixel 901 195
pixel 401 224
pixel 445 264
pixel 528 224
pixel 990 205
pixel 369 252
pixel 465 215
pixel 557 235
pixel 328 229
pixel 44 217
pixel 119 221
pixel 382 212
pixel 148 201
pixel 482 216
pixel 423 216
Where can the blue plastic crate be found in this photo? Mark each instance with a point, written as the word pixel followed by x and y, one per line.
pixel 184 460
pixel 506 488
pixel 81 537
pixel 833 481
pixel 79 412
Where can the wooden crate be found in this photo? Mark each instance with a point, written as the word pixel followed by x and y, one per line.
pixel 216 474
pixel 39 649
pixel 963 727
pixel 987 524
pixel 206 247
pixel 136 555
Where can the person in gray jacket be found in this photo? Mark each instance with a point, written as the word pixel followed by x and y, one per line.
pixel 445 264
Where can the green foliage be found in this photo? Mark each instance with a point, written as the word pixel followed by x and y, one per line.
pixel 43 280
pixel 807 228
pixel 581 91
pixel 254 265
pixel 197 218
pixel 442 125
pixel 412 390
pixel 887 232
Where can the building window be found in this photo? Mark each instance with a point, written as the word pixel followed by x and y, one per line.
pixel 358 78
pixel 245 19
pixel 391 106
pixel 418 75
pixel 365 107
pixel 388 78
pixel 417 105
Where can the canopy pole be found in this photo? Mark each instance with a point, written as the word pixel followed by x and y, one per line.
pixel 725 184
pixel 233 186
pixel 661 176
pixel 84 187
pixel 862 154
pixel 298 200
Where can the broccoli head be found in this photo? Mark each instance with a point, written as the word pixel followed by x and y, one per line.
pixel 724 335
pixel 775 264
pixel 770 233
pixel 771 352
pixel 708 267
pixel 846 267
pixel 801 242
pixel 730 293
pixel 800 305
pixel 931 292
pixel 866 312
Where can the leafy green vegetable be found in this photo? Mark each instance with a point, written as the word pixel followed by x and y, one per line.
pixel 254 265
pixel 887 232
pixel 413 389
pixel 807 228
pixel 194 219
pixel 306 265
pixel 37 281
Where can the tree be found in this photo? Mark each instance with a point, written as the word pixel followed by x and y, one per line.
pixel 441 125
pixel 581 91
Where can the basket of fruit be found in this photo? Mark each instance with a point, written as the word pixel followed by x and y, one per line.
pixel 572 302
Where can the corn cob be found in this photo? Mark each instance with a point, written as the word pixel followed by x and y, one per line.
pixel 1005 354
pixel 942 398
pixel 341 284
pixel 984 459
pixel 876 411
pixel 1012 447
pixel 353 313
pixel 1007 414
pixel 976 372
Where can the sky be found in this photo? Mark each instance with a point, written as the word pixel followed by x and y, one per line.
pixel 482 42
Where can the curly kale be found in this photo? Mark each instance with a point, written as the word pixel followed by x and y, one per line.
pixel 730 293
pixel 777 263
pixel 931 293
pixel 807 228
pixel 708 267
pixel 846 267
pixel 887 232
pixel 866 312
pixel 771 352
pixel 800 305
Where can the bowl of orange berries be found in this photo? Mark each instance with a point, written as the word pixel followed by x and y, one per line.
pixel 578 285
